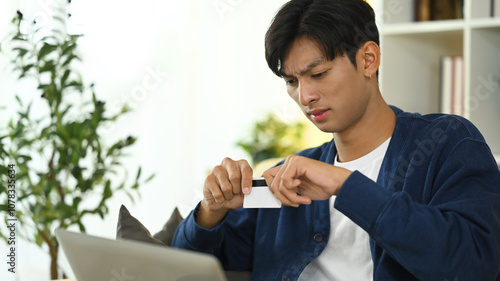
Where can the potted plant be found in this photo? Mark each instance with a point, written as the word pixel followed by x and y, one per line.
pixel 55 164
pixel 273 138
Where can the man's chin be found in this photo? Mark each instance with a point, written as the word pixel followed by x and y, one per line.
pixel 325 128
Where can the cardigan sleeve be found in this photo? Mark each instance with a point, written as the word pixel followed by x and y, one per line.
pixel 230 241
pixel 450 231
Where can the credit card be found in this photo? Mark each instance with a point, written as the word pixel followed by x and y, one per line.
pixel 260 196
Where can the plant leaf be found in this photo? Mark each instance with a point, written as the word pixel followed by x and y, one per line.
pixel 138 173
pixel 21 51
pixel 65 76
pixel 150 178
pixel 45 50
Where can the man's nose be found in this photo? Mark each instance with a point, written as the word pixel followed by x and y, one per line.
pixel 307 93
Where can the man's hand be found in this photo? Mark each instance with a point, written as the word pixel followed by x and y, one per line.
pixel 224 190
pixel 300 180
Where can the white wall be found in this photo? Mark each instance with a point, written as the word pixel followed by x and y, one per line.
pixel 196 78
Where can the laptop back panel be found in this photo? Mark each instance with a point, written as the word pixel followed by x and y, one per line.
pixel 93 258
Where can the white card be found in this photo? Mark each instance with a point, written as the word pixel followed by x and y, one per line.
pixel 260 197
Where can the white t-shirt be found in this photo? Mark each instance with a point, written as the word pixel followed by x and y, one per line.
pixel 347 255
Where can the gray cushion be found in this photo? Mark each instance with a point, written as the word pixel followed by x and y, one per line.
pixel 167 233
pixel 129 227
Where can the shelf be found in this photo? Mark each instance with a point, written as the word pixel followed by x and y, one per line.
pixel 415 62
pixel 483 89
pixel 410 75
pixel 438 26
pixel 423 27
pixel 485 23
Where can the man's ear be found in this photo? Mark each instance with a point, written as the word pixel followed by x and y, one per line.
pixel 370 58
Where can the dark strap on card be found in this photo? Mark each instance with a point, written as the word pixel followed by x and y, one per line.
pixel 259 182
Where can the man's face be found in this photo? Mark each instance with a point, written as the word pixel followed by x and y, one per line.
pixel 332 94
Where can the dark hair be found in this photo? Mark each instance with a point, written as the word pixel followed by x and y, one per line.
pixel 339 27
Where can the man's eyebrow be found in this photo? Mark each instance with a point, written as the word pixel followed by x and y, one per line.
pixel 311 65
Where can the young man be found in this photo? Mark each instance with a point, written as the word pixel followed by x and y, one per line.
pixel 394 195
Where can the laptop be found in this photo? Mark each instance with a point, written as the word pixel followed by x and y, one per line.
pixel 99 259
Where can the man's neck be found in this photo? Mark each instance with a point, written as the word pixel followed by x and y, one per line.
pixel 375 127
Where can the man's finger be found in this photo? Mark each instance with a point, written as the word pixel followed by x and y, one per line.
pixel 270 175
pixel 223 183
pixel 246 177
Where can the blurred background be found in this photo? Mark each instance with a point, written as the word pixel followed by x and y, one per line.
pixel 194 74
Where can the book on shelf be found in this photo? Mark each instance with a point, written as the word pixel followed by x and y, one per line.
pixel 495 8
pixel 422 10
pixel 453 98
pixel 427 10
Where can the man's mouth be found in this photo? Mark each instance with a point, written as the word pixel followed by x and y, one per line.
pixel 319 115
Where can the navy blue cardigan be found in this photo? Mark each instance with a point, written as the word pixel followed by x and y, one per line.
pixel 433 214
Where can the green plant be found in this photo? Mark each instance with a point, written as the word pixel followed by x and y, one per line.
pixel 52 152
pixel 273 138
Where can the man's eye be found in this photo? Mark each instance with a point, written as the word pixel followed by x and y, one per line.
pixel 291 81
pixel 318 75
